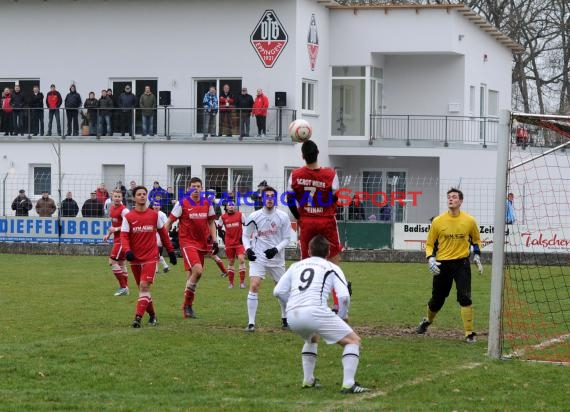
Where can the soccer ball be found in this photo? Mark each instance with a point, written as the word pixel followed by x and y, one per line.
pixel 300 130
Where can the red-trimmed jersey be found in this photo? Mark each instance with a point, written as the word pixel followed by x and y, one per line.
pixel 233 224
pixel 193 226
pixel 314 190
pixel 117 213
pixel 138 235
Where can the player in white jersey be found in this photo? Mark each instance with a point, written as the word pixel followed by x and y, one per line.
pixel 266 234
pixel 306 287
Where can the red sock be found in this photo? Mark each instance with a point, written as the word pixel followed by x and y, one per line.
pixel 120 277
pixel 188 297
pixel 142 304
pixel 221 265
pixel 231 275
pixel 242 275
pixel 150 307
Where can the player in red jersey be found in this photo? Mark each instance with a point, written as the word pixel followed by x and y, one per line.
pixel 138 237
pixel 233 221
pixel 313 189
pixel 197 237
pixel 117 212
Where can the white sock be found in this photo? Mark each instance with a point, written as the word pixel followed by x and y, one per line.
pixel 163 262
pixel 252 302
pixel 283 305
pixel 350 358
pixel 309 361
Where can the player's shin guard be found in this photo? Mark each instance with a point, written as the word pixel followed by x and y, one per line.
pixel 231 275
pixel 142 303
pixel 350 359
pixel 309 361
pixel 242 273
pixel 467 317
pixel 189 293
pixel 252 303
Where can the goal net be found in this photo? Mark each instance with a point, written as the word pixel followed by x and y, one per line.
pixel 535 310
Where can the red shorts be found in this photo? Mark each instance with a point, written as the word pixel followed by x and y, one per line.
pixel 144 272
pixel 117 253
pixel 320 226
pixel 192 256
pixel 234 251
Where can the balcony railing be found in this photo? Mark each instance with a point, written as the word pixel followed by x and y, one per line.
pixel 177 123
pixel 436 129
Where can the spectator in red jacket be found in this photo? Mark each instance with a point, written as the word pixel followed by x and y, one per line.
pixel 53 102
pixel 260 106
pixel 7 124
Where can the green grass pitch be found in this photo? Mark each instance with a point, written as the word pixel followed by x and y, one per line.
pixel 66 344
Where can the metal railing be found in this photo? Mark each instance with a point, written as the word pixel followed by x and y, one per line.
pixel 433 128
pixel 164 121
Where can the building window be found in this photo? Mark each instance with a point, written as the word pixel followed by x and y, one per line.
pixel 493 104
pixel 348 104
pixel 228 180
pixel 179 178
pixel 309 95
pixel 472 99
pixel 42 179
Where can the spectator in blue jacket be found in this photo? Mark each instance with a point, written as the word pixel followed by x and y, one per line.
pixel 210 104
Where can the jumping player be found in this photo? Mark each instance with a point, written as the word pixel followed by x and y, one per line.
pixel 138 237
pixel 313 189
pixel 197 237
pixel 117 212
pixel 233 221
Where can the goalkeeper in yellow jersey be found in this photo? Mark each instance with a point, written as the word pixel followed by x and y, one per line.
pixel 450 238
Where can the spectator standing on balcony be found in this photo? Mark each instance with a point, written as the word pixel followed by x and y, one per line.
pixel 148 105
pixel 22 204
pixel 244 103
pixel 260 106
pixel 115 115
pixel 7 124
pixel 210 104
pixel 45 206
pixel 69 207
pixel 92 207
pixel 53 102
pixel 36 104
pixel 92 104
pixel 105 108
pixel 18 103
pixel 127 103
pixel 72 105
pixel 226 108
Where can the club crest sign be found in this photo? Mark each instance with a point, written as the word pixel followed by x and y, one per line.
pixel 313 42
pixel 269 38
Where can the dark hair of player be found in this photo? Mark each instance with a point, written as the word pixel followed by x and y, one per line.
pixel 137 188
pixel 319 246
pixel 454 190
pixel 268 189
pixel 310 151
pixel 195 180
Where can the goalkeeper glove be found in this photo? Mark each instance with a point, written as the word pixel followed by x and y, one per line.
pixel 130 256
pixel 215 248
pixel 477 261
pixel 172 256
pixel 270 253
pixel 433 266
pixel 250 255
pixel 349 286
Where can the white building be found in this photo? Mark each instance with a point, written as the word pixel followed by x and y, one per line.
pixel 400 98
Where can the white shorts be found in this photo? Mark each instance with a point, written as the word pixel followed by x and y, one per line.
pixel 259 270
pixel 317 320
